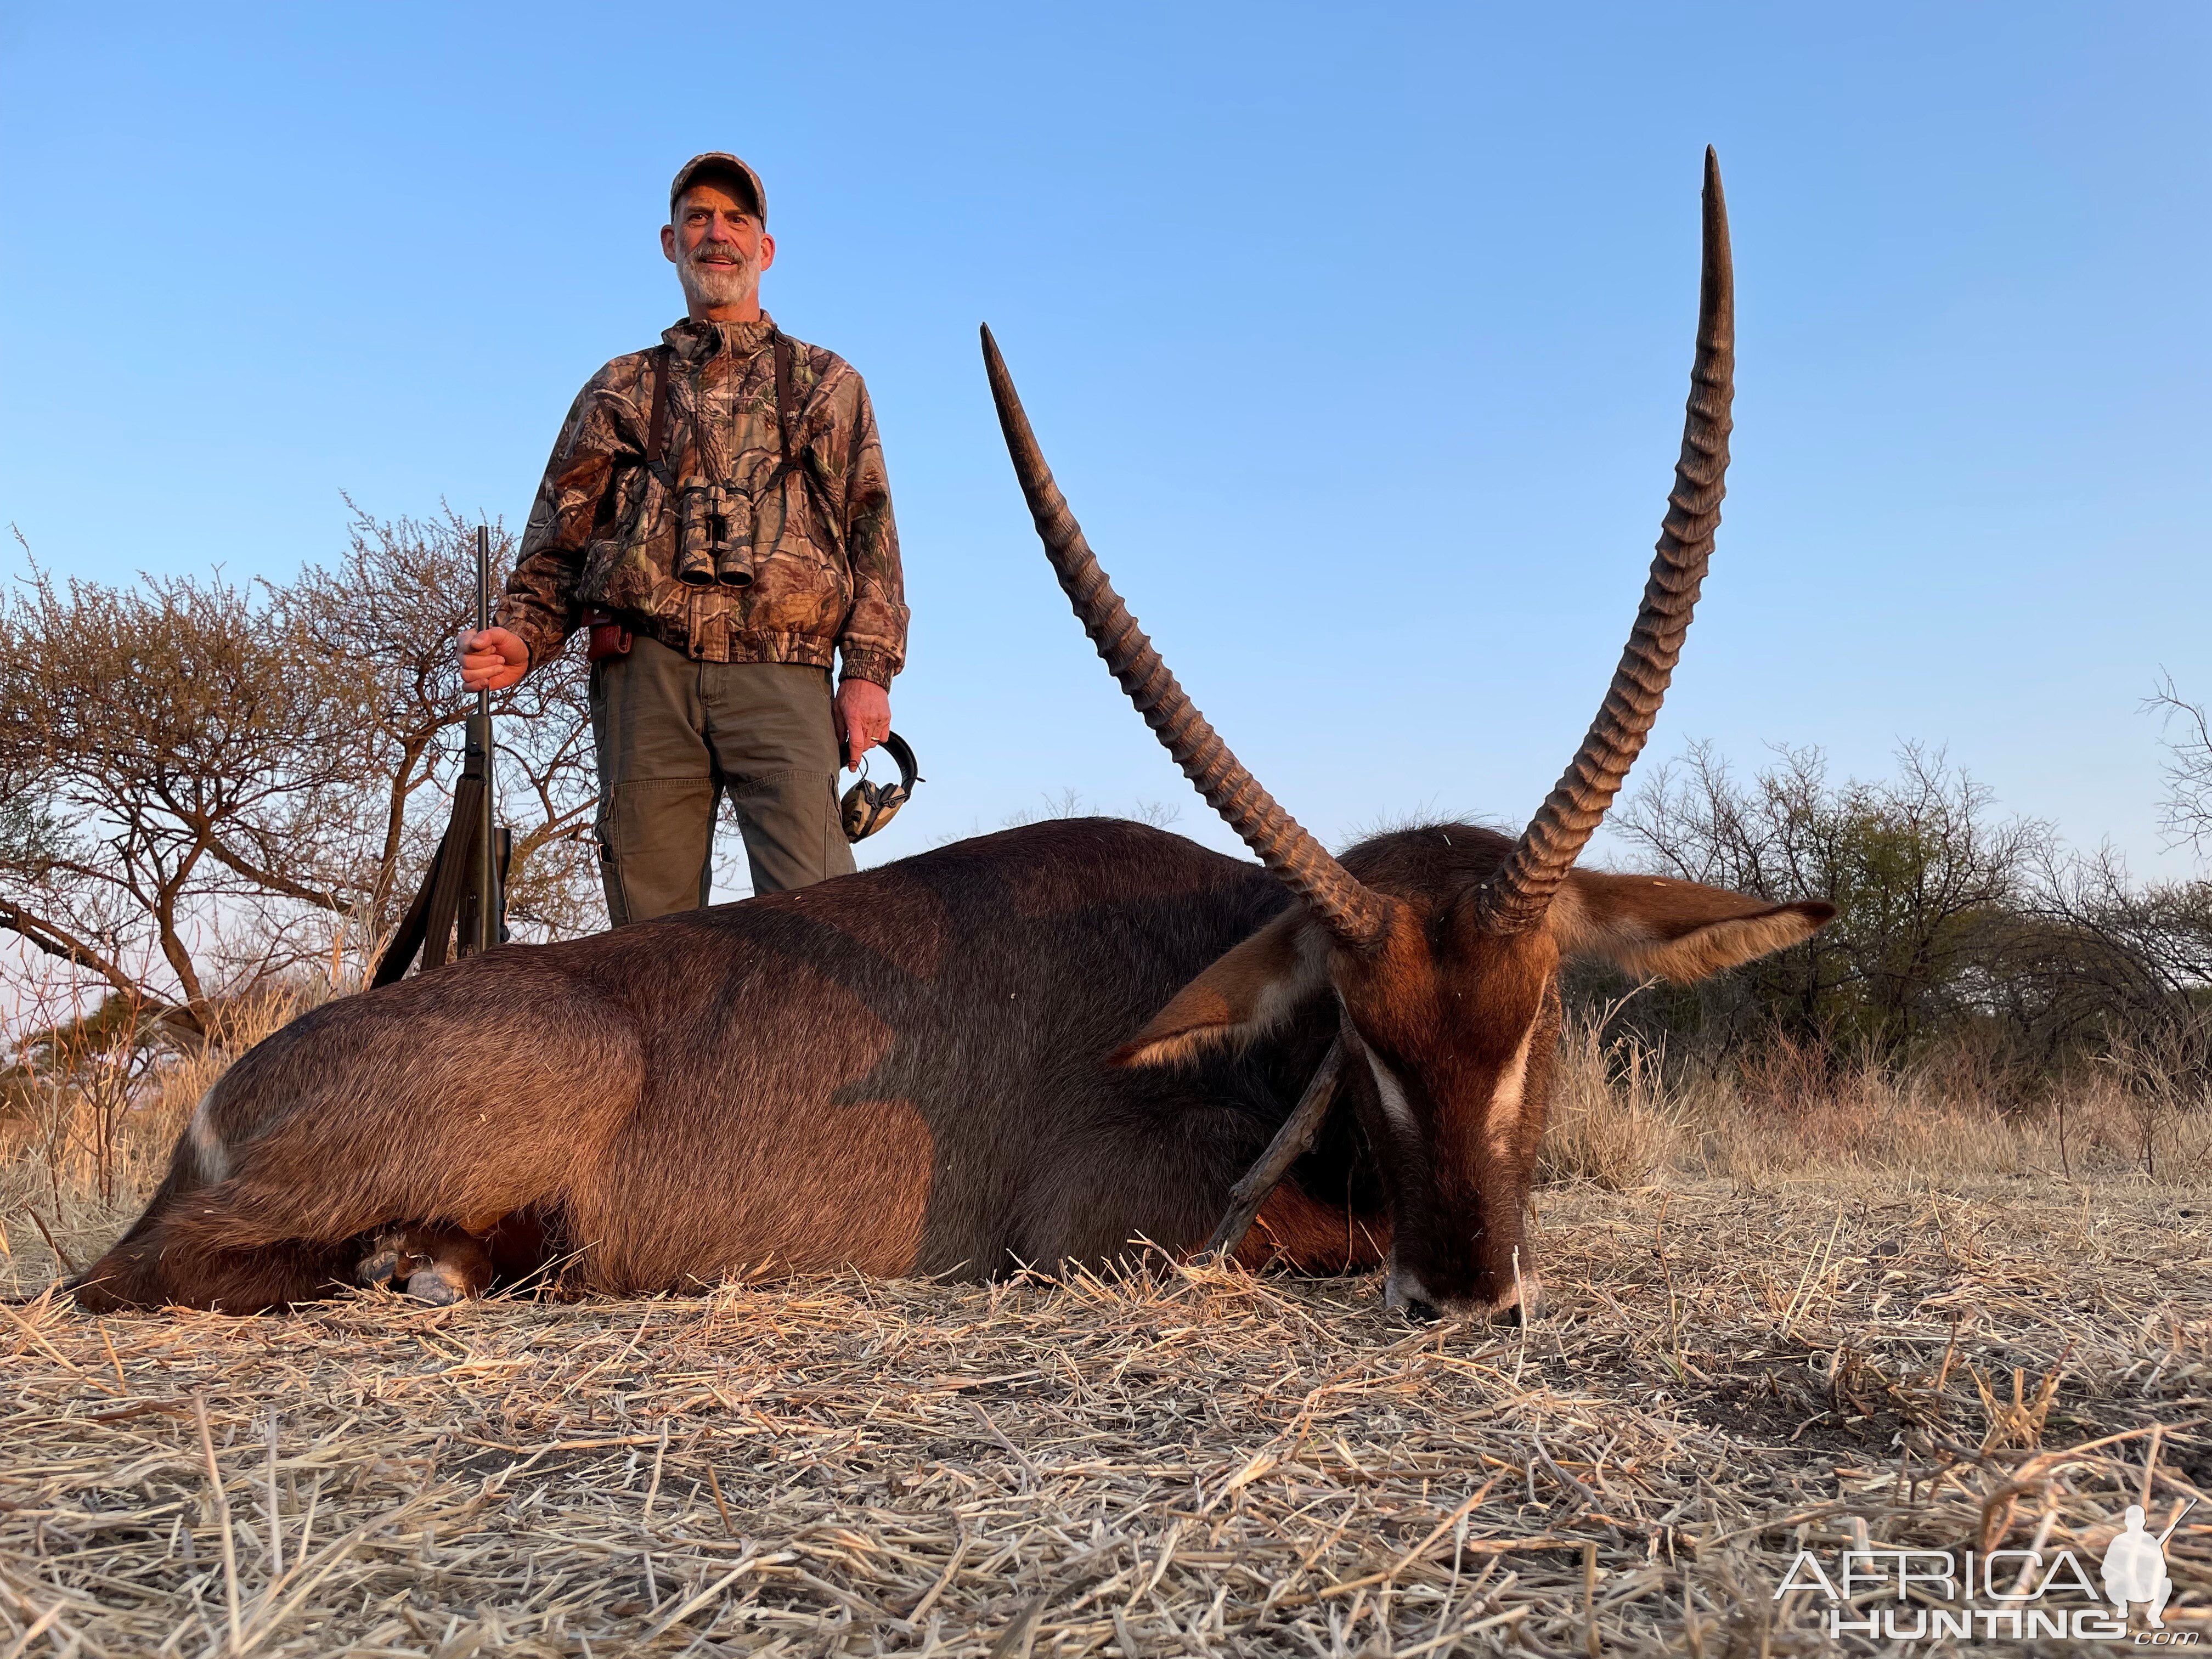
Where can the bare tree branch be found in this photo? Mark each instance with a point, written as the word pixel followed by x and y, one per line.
pixel 191 806
pixel 2185 815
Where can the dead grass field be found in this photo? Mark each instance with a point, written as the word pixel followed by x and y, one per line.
pixel 1173 1463
pixel 1882 1311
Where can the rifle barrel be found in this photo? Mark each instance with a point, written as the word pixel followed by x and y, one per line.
pixel 484 601
pixel 2175 1521
pixel 490 909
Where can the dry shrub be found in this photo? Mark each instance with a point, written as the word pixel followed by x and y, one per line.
pixel 1624 1115
pixel 2162 1075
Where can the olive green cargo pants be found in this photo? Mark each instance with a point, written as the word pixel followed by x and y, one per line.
pixel 675 736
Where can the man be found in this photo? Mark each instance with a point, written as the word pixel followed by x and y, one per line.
pixel 718 503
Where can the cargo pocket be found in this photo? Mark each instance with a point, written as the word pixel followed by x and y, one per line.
pixel 656 838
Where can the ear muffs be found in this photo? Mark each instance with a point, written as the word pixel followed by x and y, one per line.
pixel 867 807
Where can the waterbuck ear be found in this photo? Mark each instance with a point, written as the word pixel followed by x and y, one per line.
pixel 1677 929
pixel 1246 993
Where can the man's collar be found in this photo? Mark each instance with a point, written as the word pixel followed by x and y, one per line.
pixel 692 340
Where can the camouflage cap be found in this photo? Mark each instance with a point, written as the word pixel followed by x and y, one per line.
pixel 717 161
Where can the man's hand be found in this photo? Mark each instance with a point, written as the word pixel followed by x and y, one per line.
pixel 492 660
pixel 864 717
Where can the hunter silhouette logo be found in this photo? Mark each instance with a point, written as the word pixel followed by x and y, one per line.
pixel 1899 1593
pixel 2135 1566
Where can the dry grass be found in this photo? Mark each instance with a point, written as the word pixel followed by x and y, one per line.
pixel 1617 1118
pixel 1625 1115
pixel 1775 1322
pixel 1178 1463
pixel 85 1136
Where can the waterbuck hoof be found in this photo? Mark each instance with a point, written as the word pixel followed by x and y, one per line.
pixel 440 1284
pixel 380 1265
pixel 437 1265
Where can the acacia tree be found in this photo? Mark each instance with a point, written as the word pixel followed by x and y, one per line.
pixel 1924 878
pixel 157 742
pixel 205 786
pixel 2095 953
pixel 1952 923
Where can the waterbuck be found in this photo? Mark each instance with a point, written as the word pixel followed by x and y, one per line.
pixel 1029 1047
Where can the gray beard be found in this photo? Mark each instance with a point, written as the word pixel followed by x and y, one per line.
pixel 718 284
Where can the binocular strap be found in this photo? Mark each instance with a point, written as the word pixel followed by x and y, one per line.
pixel 656 434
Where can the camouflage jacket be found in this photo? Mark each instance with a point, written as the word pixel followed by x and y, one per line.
pixel 603 533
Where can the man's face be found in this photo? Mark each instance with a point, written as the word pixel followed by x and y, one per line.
pixel 719 250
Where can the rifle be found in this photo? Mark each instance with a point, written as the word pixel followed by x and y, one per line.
pixel 2175 1521
pixel 466 882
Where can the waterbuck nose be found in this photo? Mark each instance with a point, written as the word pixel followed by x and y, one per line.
pixel 1421 1312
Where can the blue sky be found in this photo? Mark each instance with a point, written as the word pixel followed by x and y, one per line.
pixel 1358 335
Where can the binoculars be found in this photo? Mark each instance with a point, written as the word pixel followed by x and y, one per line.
pixel 714 537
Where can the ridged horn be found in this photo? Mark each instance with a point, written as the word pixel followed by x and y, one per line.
pixel 1355 914
pixel 1563 825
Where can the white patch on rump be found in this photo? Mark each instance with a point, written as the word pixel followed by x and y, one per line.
pixel 209 1154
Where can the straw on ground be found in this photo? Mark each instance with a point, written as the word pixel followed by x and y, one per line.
pixel 1170 1462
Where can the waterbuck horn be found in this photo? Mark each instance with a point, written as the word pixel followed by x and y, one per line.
pixel 1563 825
pixel 1354 913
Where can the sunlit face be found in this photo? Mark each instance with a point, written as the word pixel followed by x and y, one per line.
pixel 719 249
